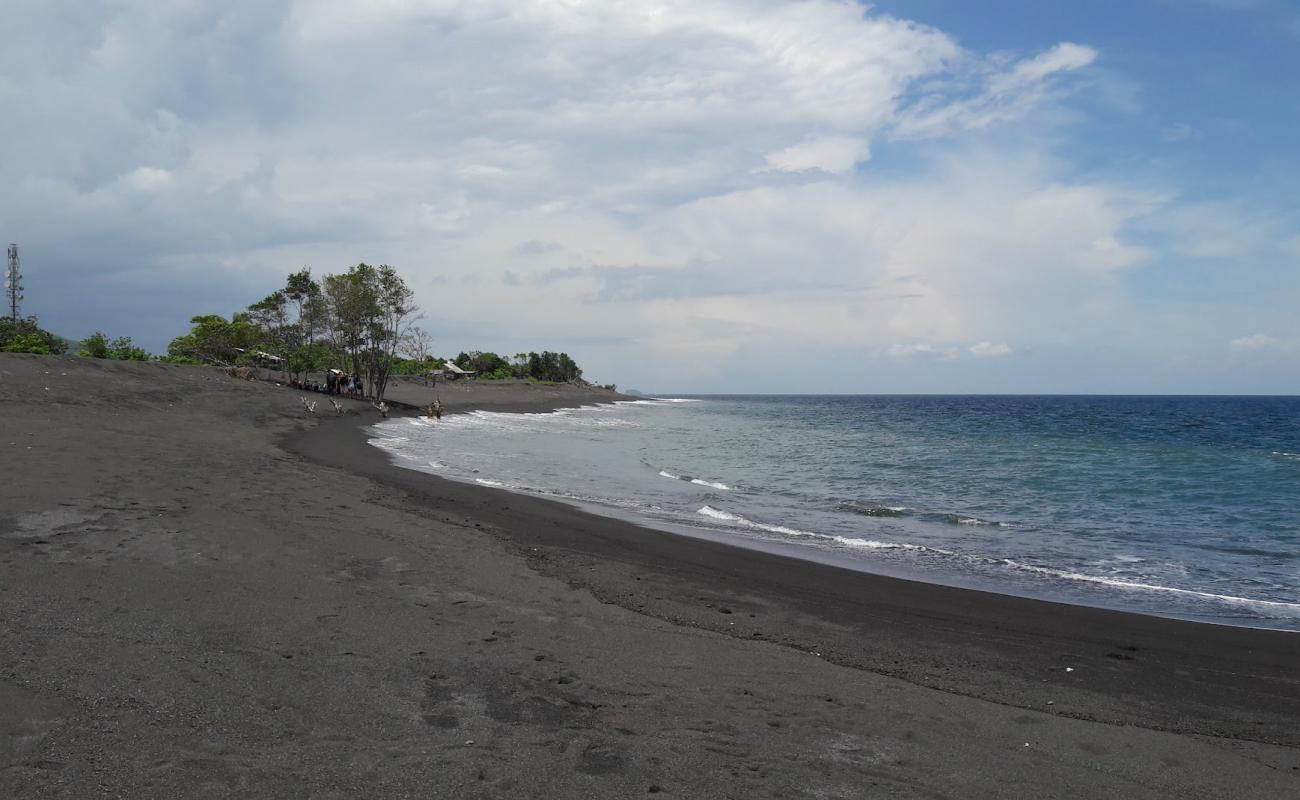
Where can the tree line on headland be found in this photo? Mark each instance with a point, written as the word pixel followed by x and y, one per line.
pixel 360 321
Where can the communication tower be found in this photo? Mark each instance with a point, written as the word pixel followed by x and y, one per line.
pixel 14 282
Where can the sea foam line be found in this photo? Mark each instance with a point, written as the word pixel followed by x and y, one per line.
pixel 1150 587
pixel 697 481
pixel 871 544
pixel 739 521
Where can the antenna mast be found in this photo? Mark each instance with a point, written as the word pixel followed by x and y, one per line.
pixel 14 282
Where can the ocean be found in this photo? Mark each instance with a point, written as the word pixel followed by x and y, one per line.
pixel 1177 506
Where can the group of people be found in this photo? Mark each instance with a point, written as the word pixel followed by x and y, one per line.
pixel 336 383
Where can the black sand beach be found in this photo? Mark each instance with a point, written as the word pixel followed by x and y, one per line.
pixel 208 592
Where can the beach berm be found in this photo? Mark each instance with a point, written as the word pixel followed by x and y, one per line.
pixel 207 591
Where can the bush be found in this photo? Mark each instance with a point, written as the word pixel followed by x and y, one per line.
pixel 97 345
pixel 26 336
pixel 123 349
pixel 27 343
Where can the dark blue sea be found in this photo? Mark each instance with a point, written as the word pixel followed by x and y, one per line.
pixel 1177 506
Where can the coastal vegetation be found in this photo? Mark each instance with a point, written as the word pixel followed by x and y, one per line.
pixel 25 335
pixel 354 321
pixel 547 366
pixel 98 345
pixel 360 321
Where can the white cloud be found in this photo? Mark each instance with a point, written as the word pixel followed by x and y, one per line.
pixel 148 179
pixel 989 350
pixel 1001 94
pixel 694 176
pixel 1258 341
pixel 833 154
pixel 921 349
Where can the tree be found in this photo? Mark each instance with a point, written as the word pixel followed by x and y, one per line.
pixel 371 309
pixel 98 345
pixel 271 315
pixel 95 346
pixel 305 293
pixel 25 335
pixel 357 321
pixel 555 367
pixel 214 340
pixel 417 345
pixel 397 312
pixel 123 349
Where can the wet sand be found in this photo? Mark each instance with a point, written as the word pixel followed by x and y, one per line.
pixel 209 593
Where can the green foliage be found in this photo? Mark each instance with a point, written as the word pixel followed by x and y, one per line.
pixel 485 364
pixel 371 309
pixel 545 367
pixel 123 349
pixel 97 345
pixel 411 366
pixel 26 336
pixel 556 367
pixel 215 340
pixel 27 343
pixel 309 358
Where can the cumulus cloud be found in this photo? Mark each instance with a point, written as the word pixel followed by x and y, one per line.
pixel 692 177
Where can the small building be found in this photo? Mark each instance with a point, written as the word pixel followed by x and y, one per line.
pixel 454 372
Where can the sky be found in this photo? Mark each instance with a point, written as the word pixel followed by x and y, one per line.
pixel 711 196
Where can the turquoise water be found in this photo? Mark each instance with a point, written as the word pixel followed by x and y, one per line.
pixel 1184 506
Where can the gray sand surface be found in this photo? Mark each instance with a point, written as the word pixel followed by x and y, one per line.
pixel 190 609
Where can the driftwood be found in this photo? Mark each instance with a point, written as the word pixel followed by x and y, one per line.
pixel 309 405
pixel 383 408
pixel 243 373
pixel 338 407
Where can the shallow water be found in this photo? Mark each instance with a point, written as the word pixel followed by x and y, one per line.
pixel 1185 506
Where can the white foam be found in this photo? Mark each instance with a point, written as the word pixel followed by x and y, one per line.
pixel 739 521
pixel 710 511
pixel 1151 587
pixel 668 474
pixel 714 484
pixel 981 523
pixel 487 482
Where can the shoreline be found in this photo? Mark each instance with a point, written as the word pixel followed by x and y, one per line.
pixel 1123 667
pixel 798 553
pixel 192 610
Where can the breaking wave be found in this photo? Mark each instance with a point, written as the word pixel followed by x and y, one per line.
pixel 697 481
pixel 741 522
